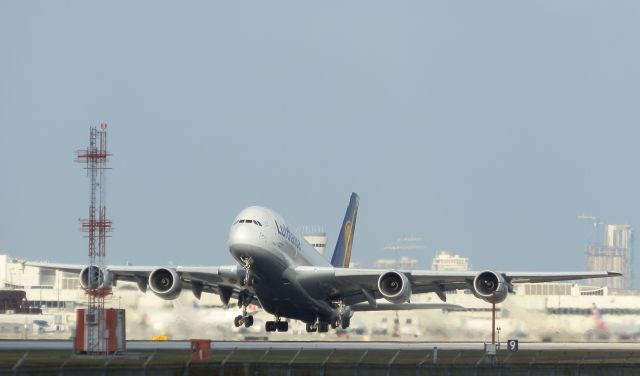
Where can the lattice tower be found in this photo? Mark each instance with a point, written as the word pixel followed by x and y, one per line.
pixel 97 226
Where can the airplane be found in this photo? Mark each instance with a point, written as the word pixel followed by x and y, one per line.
pixel 289 279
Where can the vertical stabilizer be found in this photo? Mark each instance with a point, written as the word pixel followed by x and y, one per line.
pixel 342 253
pixel 597 319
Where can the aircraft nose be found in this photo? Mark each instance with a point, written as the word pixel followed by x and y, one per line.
pixel 238 235
pixel 241 234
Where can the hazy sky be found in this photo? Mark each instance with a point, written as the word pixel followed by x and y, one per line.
pixel 484 127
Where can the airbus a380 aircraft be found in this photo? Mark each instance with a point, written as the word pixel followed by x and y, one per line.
pixel 289 279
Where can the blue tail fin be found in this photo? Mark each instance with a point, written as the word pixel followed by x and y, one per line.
pixel 342 253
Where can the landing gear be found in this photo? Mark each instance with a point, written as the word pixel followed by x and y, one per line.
pixel 240 320
pixel 247 262
pixel 321 327
pixel 278 325
pixel 244 319
pixel 344 316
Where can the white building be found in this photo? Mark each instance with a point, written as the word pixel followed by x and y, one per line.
pixel 446 262
pixel 318 240
pixel 403 263
pixel 613 255
pixel 44 288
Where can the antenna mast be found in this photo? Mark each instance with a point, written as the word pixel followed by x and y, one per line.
pixel 95 158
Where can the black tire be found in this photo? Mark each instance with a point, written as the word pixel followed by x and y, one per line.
pixel 249 320
pixel 311 328
pixel 282 326
pixel 237 321
pixel 270 326
pixel 323 327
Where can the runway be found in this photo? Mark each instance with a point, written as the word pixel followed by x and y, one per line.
pixel 8 345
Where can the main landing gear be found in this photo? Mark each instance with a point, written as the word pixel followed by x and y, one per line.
pixel 342 319
pixel 321 327
pixel 278 325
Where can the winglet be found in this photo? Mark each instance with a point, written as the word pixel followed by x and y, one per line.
pixel 342 253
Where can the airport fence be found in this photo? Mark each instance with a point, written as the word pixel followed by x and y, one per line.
pixel 252 369
pixel 338 362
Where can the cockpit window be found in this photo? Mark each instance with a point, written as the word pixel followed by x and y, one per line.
pixel 257 223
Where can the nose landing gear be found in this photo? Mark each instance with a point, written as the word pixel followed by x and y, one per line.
pixel 240 320
pixel 245 319
pixel 247 262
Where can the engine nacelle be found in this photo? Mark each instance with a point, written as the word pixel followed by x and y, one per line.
pixel 395 287
pixel 488 284
pixel 92 277
pixel 165 283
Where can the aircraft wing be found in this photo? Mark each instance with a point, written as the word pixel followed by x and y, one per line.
pixel 220 280
pixel 402 307
pixel 360 285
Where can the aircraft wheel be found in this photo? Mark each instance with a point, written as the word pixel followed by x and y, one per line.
pixel 345 323
pixel 248 321
pixel 335 323
pixel 311 328
pixel 323 327
pixel 282 326
pixel 237 321
pixel 270 326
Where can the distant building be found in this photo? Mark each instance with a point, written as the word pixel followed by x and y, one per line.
pixel 318 240
pixel 404 263
pixel 559 289
pixel 613 255
pixel 44 288
pixel 445 262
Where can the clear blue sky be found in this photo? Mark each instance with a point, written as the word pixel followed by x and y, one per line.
pixel 484 127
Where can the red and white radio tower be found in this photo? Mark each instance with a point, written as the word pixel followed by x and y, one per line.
pixel 95 158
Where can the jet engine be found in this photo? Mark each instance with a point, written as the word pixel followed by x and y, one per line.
pixel 165 283
pixel 92 277
pixel 395 287
pixel 488 284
